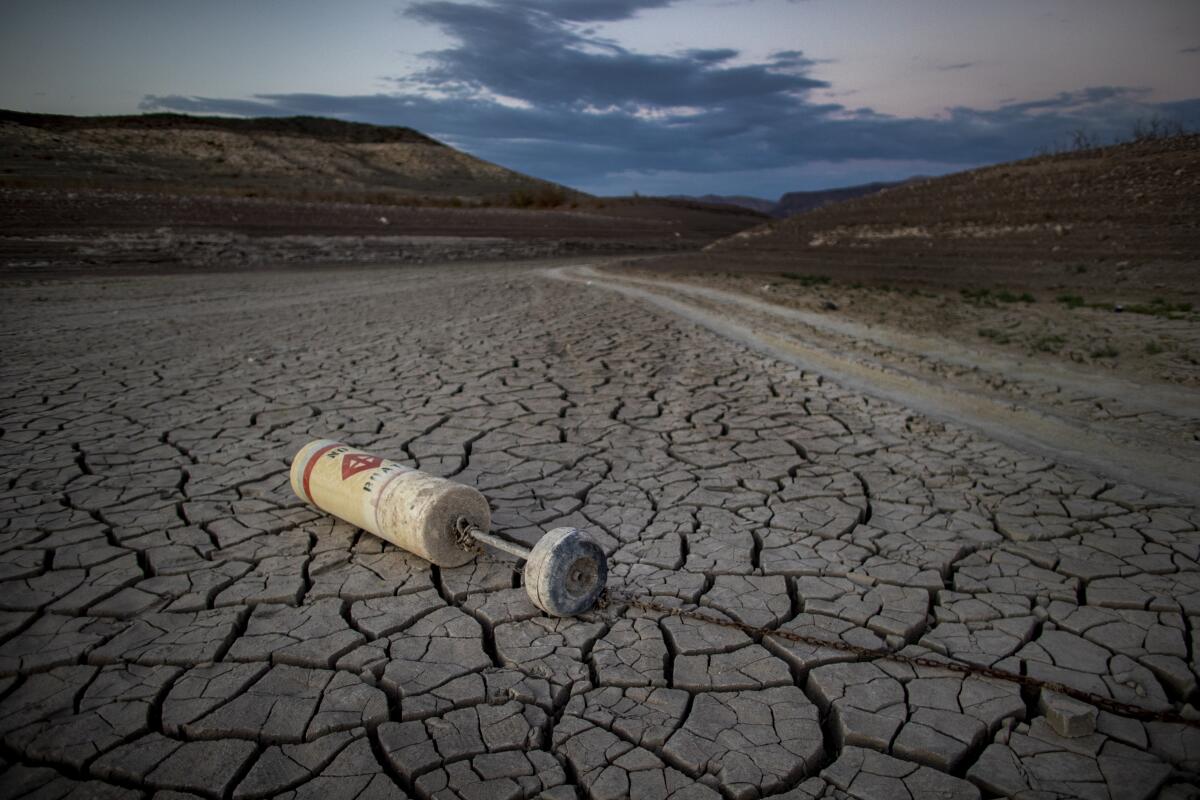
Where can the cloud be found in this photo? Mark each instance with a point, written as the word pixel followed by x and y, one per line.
pixel 532 54
pixel 528 85
pixel 712 56
pixel 590 10
pixel 952 67
pixel 1195 49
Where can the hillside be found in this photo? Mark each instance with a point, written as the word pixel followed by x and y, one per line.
pixel 740 200
pixel 794 203
pixel 1124 217
pixel 293 157
pixel 1012 276
pixel 171 192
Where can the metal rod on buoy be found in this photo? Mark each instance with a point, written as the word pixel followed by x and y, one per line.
pixel 491 540
pixel 565 571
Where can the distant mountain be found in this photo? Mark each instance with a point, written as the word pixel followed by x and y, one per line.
pixel 742 201
pixel 293 157
pixel 796 202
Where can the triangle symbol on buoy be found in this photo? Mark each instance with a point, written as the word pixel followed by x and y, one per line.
pixel 355 463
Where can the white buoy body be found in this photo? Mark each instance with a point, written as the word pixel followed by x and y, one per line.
pixel 408 508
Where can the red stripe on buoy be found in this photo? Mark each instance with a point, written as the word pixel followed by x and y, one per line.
pixel 308 468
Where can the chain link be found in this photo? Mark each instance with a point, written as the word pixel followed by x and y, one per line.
pixel 463 537
pixel 610 598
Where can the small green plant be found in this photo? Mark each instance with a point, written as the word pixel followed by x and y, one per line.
pixel 1159 307
pixel 978 297
pixel 1005 296
pixel 1108 351
pixel 1080 269
pixel 543 197
pixel 1153 348
pixel 807 280
pixel 1071 300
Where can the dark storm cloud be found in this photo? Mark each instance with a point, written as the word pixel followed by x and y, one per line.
pixel 712 56
pixel 590 10
pixel 537 57
pixel 586 107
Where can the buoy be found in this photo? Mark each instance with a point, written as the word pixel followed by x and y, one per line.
pixel 439 520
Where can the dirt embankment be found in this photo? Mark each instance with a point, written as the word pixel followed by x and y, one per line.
pixel 292 157
pixel 1085 259
pixel 171 192
pixel 50 232
pixel 1112 223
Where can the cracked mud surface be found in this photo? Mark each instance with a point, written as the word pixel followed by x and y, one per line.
pixel 174 622
pixel 1128 427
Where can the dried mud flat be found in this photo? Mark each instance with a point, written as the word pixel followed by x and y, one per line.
pixel 175 623
pixel 1153 339
pixel 1135 417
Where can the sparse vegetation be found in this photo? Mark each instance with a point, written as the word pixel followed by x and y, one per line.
pixel 1070 300
pixel 1107 351
pixel 978 297
pixel 984 298
pixel 1146 129
pixel 1050 343
pixel 1158 307
pixel 807 280
pixel 1153 348
pixel 543 197
pixel 1084 140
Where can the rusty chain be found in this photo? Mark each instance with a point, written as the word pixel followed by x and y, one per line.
pixel 463 537
pixel 610 598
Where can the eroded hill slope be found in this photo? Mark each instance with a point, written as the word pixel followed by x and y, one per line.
pixel 305 157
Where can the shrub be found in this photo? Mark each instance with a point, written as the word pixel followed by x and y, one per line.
pixel 542 197
pixel 1070 300
pixel 978 297
pixel 807 280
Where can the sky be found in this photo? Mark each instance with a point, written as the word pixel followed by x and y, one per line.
pixel 755 97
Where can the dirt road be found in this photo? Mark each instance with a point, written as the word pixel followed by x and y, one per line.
pixel 174 620
pixel 1143 432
